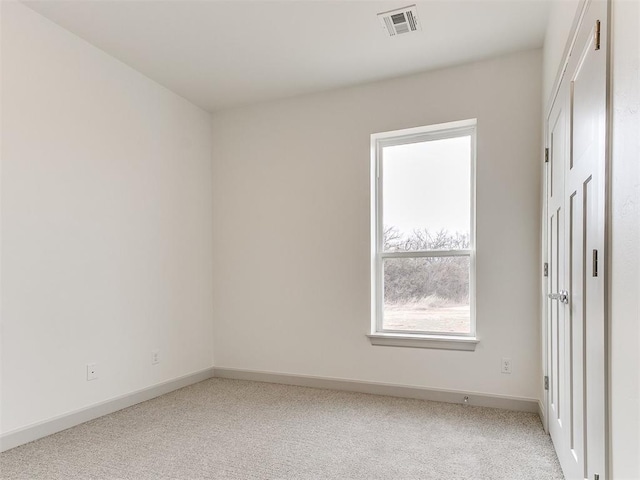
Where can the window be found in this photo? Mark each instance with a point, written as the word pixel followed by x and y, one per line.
pixel 423 236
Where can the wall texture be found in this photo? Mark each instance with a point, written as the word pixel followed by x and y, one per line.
pixel 106 225
pixel 291 229
pixel 625 240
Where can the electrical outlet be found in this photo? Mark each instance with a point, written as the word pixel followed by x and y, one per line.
pixel 506 365
pixel 155 357
pixel 92 371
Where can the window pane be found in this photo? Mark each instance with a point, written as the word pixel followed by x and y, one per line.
pixel 427 294
pixel 426 195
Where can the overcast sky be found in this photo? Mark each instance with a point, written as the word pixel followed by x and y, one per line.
pixel 427 185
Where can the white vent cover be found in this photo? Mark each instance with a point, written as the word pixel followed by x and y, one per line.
pixel 400 21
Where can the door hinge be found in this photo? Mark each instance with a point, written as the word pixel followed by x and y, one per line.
pixel 546 269
pixel 595 263
pixel 596 34
pixel 546 155
pixel 546 382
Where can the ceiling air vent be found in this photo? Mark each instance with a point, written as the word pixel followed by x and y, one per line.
pixel 402 20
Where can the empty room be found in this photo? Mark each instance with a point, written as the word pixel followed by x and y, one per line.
pixel 330 239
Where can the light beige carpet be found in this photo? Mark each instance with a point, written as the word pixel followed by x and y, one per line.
pixel 249 430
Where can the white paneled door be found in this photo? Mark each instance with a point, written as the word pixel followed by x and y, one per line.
pixel 575 200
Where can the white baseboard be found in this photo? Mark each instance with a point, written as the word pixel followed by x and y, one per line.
pixel 38 430
pixel 450 396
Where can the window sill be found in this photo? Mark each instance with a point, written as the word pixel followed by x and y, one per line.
pixel 414 340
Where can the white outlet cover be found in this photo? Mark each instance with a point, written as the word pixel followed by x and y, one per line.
pixel 155 357
pixel 506 365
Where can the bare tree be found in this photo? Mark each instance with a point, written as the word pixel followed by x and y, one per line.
pixel 423 239
pixel 414 279
pixel 391 238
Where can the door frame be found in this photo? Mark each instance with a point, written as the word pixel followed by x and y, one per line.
pixel 548 107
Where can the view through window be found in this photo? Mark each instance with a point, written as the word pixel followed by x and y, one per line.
pixel 424 230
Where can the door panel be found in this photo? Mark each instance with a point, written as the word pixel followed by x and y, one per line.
pixel 576 344
pixel 575 240
pixel 562 333
pixel 594 340
pixel 587 175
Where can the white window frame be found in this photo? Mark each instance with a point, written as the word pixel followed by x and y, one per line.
pixel 421 339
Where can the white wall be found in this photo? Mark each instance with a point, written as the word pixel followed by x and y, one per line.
pixel 106 225
pixel 291 229
pixel 625 240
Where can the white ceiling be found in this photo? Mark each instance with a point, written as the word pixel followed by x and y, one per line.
pixel 221 54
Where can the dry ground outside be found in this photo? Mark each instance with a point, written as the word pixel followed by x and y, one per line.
pixel 425 316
